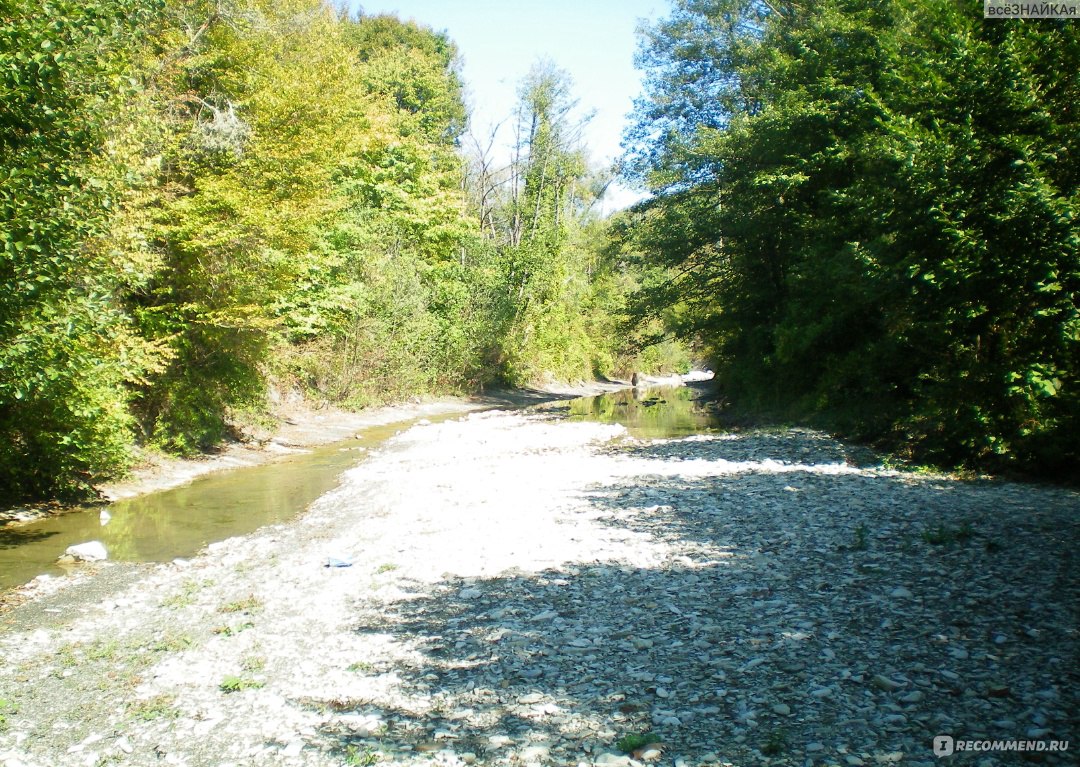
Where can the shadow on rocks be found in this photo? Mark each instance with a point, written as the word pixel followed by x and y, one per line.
pixel 798 612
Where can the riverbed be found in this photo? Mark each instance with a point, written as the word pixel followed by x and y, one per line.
pixel 540 588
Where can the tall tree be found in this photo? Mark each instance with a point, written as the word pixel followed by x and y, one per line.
pixel 67 351
pixel 873 215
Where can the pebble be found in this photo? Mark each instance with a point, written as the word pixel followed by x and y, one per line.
pixel 884 683
pixel 589 587
pixel 91 551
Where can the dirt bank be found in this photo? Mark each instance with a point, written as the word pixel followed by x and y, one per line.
pixel 525 590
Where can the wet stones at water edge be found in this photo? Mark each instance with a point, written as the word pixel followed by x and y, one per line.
pixel 91 551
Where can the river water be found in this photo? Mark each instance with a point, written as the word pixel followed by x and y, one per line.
pixel 161 526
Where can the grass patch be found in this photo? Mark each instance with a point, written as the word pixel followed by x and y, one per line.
pixel 944 535
pixel 775 743
pixel 102 650
pixel 7 708
pixel 233 683
pixel 228 631
pixel 628 744
pixel 172 643
pixel 249 605
pixel 157 707
pixel 186 596
pixel 356 757
pixel 66 656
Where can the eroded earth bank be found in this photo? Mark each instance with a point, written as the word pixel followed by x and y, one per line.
pixel 528 590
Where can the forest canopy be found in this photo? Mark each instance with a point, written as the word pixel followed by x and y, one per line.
pixel 863 214
pixel 207 199
pixel 868 210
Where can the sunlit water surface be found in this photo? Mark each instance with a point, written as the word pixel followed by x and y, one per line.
pixel 647 413
pixel 164 525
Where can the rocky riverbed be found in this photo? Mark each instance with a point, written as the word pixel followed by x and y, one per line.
pixel 518 589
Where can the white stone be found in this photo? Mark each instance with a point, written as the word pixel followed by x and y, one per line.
pixel 91 551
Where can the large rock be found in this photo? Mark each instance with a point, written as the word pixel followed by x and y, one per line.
pixel 91 551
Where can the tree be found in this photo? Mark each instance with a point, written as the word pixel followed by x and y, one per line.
pixel 859 240
pixel 67 351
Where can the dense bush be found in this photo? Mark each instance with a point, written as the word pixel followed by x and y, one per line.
pixel 202 195
pixel 869 211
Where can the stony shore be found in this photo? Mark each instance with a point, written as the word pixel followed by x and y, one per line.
pixel 298 425
pixel 525 590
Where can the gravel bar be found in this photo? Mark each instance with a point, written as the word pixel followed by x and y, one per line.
pixel 518 589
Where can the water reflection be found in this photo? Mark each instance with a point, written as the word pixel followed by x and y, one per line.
pixel 174 523
pixel 647 413
pixel 161 526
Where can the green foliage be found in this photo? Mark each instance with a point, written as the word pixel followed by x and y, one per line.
pixel 632 742
pixel 201 196
pixel 6 709
pixel 867 211
pixel 233 683
pixel 384 309
pixel 944 534
pixel 357 757
pixel 161 706
pixel 776 743
pixel 547 294
pixel 859 542
pixel 67 352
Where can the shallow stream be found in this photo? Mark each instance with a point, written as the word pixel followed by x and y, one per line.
pixel 164 525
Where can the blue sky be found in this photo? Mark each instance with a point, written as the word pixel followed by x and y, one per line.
pixel 594 40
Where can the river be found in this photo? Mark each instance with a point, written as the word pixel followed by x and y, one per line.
pixel 165 525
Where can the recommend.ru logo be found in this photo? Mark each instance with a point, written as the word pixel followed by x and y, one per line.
pixel 943 745
pixel 947 745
